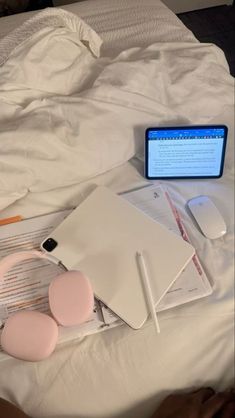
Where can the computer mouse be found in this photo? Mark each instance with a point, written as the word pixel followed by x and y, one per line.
pixel 207 216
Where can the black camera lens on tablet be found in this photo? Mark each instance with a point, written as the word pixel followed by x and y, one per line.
pixel 49 245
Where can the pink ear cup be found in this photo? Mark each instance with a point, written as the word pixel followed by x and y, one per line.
pixel 71 298
pixel 29 335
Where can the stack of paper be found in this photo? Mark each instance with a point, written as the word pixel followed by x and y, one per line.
pixel 193 283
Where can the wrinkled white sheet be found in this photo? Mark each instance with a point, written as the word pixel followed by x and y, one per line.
pixel 66 115
pixel 122 373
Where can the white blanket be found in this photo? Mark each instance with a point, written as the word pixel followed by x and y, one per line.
pixel 121 373
pixel 67 115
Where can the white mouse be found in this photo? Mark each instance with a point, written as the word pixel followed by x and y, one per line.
pixel 207 216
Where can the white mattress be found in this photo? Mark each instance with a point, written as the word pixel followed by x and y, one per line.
pixel 123 373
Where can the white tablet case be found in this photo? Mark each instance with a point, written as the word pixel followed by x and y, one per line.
pixel 101 237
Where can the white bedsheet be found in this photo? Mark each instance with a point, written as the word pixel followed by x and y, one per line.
pixel 121 23
pixel 123 373
pixel 67 115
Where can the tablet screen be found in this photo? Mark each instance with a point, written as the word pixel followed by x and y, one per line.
pixel 185 152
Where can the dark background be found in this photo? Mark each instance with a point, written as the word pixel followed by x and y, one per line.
pixel 214 25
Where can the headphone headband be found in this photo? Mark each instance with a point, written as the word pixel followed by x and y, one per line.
pixel 10 260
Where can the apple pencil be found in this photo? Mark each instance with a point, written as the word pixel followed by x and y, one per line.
pixel 147 287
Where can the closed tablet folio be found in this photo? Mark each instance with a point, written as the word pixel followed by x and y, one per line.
pixel 101 238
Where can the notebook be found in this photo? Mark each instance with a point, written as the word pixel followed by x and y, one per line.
pixel 101 238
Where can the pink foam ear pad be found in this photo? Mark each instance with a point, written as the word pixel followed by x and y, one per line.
pixel 71 298
pixel 29 335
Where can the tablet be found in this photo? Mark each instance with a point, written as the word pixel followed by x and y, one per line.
pixel 185 152
pixel 101 237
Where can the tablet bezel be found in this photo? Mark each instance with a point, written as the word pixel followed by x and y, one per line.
pixel 191 127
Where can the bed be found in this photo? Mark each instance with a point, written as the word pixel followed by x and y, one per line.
pixel 151 70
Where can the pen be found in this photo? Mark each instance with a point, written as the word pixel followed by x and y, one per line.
pixel 147 287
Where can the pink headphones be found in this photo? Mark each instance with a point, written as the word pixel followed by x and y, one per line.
pixel 32 335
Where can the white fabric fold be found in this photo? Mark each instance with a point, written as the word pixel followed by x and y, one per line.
pixel 66 116
pixel 53 18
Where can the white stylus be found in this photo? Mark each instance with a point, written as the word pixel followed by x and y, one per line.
pixel 146 282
